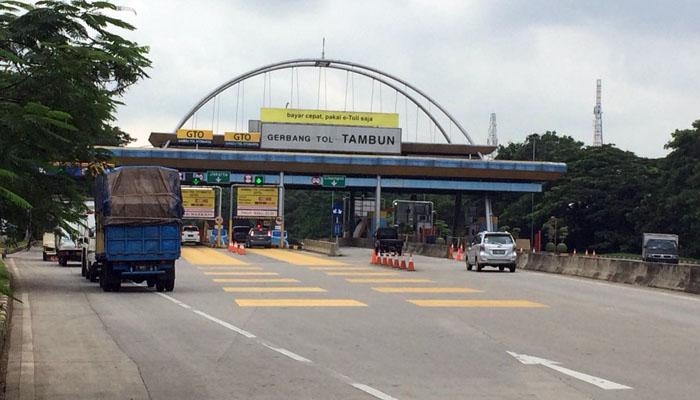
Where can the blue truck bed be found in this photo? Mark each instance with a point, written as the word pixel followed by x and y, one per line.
pixel 142 242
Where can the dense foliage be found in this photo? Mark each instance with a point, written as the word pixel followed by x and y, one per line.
pixel 62 71
pixel 609 197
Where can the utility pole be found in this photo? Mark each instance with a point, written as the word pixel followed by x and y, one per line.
pixel 598 117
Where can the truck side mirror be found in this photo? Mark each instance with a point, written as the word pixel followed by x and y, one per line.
pixel 92 233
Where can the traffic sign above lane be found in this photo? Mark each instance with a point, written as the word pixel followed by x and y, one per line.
pixel 333 181
pixel 218 177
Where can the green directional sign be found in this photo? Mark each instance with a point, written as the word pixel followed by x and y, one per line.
pixel 333 181
pixel 218 177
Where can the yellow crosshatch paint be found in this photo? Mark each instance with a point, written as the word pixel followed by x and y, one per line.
pixel 205 256
pixel 392 289
pixel 296 258
pixel 478 303
pixel 255 280
pixel 274 289
pixel 299 303
pixel 322 117
pixel 242 273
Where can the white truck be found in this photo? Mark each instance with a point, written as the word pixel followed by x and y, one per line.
pixel 660 247
pixel 49 246
pixel 81 247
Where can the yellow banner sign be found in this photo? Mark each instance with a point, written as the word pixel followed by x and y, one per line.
pixel 194 136
pixel 256 202
pixel 242 139
pixel 321 117
pixel 198 203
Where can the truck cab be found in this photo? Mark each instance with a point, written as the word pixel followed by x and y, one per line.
pixel 660 247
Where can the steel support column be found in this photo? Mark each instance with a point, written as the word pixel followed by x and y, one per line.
pixel 280 212
pixel 378 203
pixel 489 214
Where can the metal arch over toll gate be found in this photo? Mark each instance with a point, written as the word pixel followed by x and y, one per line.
pixel 411 167
pixel 352 67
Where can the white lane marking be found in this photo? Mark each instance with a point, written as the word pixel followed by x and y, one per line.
pixel 287 353
pixel 26 364
pixel 209 317
pixel 374 392
pixel 593 380
pixel 296 357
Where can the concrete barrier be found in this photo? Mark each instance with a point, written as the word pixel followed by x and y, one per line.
pixel 684 278
pixel 322 246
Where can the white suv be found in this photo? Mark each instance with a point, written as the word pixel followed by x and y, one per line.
pixel 496 249
pixel 190 234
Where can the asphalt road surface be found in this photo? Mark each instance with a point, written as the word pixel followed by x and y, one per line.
pixel 278 324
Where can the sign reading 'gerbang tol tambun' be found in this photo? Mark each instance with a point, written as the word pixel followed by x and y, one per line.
pixel 329 138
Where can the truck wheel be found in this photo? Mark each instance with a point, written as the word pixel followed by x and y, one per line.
pixel 150 282
pixel 62 261
pixel 105 281
pixel 170 284
pixel 92 273
pixel 479 267
pixel 44 257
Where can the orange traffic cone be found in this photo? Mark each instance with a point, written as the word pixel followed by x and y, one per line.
pixel 593 252
pixel 403 263
pixel 586 253
pixel 397 263
pixel 373 257
pixel 384 259
pixel 450 251
pixel 242 249
pixel 410 266
pixel 231 247
pixel 574 253
pixel 459 254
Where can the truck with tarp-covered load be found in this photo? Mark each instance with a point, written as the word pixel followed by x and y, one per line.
pixel 138 215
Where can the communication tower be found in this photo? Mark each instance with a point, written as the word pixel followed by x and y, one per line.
pixel 598 117
pixel 493 134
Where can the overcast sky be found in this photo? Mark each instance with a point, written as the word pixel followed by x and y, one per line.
pixel 534 63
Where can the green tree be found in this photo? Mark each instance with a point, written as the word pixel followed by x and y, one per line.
pixel 62 72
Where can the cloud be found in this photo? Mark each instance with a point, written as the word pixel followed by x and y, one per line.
pixel 534 63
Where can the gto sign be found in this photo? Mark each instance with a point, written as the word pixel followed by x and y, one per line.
pixel 242 139
pixel 194 136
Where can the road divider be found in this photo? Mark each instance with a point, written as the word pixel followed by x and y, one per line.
pixel 321 246
pixel 684 278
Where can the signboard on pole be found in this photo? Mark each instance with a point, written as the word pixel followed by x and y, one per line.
pixel 256 201
pixel 198 203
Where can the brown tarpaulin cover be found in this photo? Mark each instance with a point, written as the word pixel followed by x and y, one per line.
pixel 139 196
